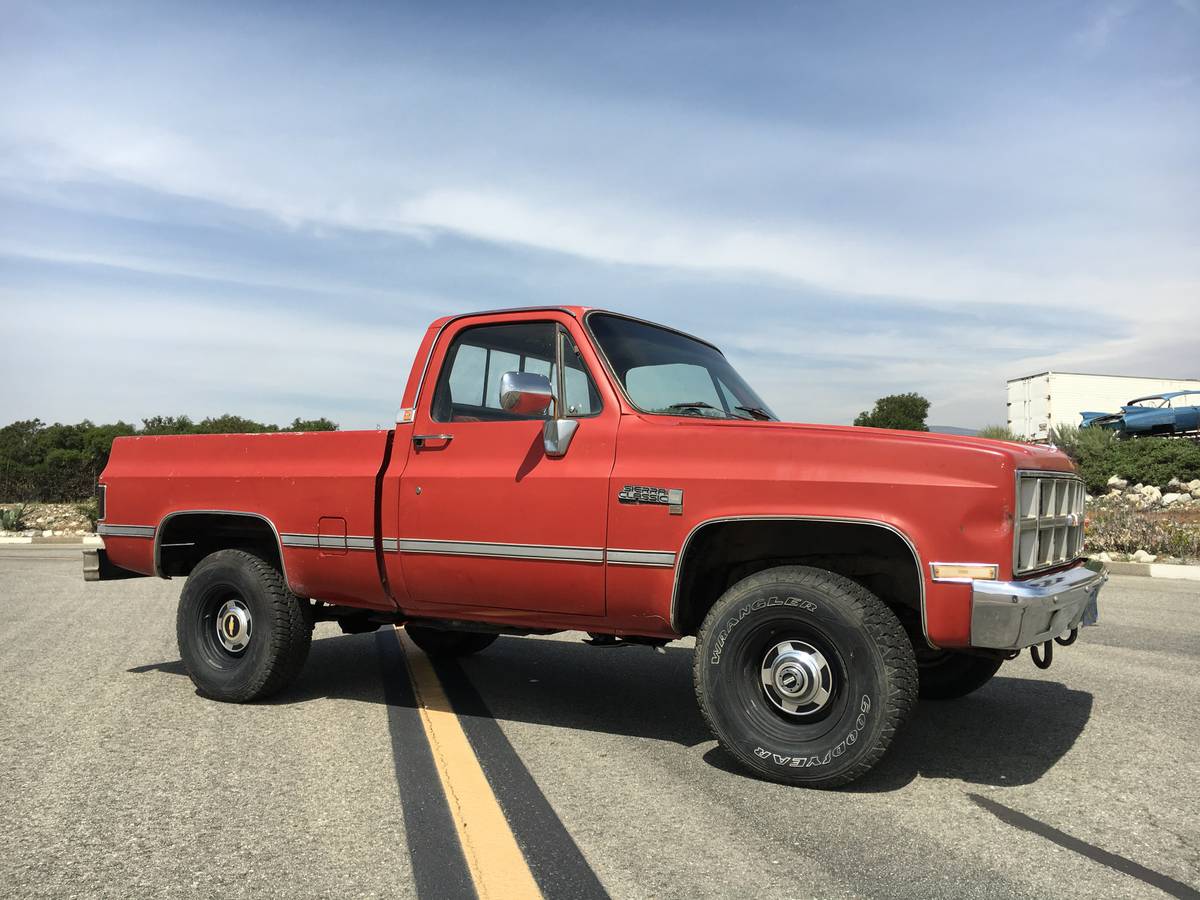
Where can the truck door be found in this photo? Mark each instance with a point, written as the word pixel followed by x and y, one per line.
pixel 487 519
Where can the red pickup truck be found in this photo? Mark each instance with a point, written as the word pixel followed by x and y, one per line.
pixel 563 468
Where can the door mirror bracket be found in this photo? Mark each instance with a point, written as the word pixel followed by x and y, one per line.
pixel 557 435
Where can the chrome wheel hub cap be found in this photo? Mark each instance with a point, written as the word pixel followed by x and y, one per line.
pixel 796 678
pixel 233 625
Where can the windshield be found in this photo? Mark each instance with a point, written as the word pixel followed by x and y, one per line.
pixel 669 373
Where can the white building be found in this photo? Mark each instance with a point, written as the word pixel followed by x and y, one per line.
pixel 1037 403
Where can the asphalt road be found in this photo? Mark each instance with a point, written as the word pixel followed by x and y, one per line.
pixel 1080 781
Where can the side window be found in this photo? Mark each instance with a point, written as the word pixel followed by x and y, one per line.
pixel 468 388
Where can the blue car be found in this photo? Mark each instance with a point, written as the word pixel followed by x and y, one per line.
pixel 1172 413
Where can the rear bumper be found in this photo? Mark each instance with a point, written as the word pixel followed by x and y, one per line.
pixel 98 567
pixel 1010 615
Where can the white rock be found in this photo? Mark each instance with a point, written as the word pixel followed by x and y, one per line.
pixel 1118 482
pixel 1102 556
pixel 47 533
pixel 1176 485
pixel 1141 556
pixel 1168 499
pixel 1194 487
pixel 1151 493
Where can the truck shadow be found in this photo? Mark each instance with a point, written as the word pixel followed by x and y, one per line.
pixel 1010 732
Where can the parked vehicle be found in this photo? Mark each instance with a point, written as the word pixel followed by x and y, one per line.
pixel 571 469
pixel 1175 412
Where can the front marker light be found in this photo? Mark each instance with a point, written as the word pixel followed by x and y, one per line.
pixel 964 572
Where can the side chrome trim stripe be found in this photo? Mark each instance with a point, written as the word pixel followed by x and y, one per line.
pixel 331 542
pixel 664 559
pixel 658 558
pixel 506 551
pixel 138 531
pixel 298 540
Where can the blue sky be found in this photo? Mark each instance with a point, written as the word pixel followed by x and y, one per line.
pixel 258 210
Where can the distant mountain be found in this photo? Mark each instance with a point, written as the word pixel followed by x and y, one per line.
pixel 953 429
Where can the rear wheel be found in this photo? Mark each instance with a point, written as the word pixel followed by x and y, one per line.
pixel 804 676
pixel 242 634
pixel 437 642
pixel 946 675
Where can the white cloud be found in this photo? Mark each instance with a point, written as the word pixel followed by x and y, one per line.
pixel 1030 196
pixel 127 360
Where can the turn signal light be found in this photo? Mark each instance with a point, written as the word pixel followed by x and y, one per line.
pixel 964 571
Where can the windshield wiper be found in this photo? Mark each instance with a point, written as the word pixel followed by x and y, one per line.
pixel 699 404
pixel 757 411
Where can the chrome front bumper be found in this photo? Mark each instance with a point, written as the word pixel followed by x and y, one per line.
pixel 1009 615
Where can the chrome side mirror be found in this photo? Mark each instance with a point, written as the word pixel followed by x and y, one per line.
pixel 557 435
pixel 525 393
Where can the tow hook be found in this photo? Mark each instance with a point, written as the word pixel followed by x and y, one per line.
pixel 1043 658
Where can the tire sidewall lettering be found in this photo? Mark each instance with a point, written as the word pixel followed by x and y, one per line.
pixel 753 606
pixel 789 761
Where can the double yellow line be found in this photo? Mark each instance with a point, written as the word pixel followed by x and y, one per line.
pixel 496 863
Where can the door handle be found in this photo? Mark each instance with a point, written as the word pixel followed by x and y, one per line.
pixel 420 439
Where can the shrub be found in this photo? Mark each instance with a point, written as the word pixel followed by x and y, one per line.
pixel 1147 460
pixel 1154 460
pixel 89 509
pixel 1123 529
pixel 997 433
pixel 12 518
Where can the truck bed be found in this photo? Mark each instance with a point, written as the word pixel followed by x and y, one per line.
pixel 316 491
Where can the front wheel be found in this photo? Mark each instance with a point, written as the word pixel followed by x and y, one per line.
pixel 242 634
pixel 804 676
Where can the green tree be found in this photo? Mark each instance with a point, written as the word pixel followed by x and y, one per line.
pixel 321 424
pixel 906 412
pixel 157 425
pixel 231 424
pixel 60 463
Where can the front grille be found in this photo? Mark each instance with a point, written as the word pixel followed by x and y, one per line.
pixel 1050 511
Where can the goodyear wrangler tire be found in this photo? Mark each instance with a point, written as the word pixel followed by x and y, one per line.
pixel 242 634
pixel 804 676
pixel 946 675
pixel 436 642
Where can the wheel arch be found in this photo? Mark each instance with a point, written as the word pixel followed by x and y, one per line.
pixel 721 551
pixel 185 536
